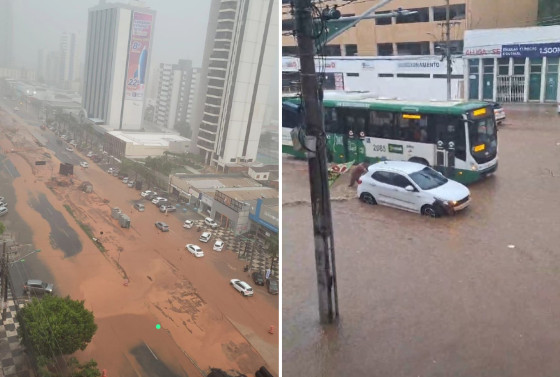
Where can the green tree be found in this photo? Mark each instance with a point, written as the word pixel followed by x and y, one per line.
pixel 2 228
pixel 88 369
pixel 55 326
pixel 184 129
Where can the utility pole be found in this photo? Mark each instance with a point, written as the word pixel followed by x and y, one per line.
pixel 448 48
pixel 315 143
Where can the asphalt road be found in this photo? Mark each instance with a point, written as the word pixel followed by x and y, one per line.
pixel 472 295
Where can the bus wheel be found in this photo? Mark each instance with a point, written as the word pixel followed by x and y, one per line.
pixel 429 210
pixel 419 161
pixel 367 198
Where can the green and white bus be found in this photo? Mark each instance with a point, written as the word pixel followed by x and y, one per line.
pixel 457 138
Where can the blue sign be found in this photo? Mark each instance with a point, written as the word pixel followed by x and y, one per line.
pixel 533 50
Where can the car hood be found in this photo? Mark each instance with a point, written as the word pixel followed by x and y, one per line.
pixel 450 191
pixel 49 288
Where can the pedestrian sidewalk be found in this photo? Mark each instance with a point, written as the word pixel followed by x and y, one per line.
pixel 14 362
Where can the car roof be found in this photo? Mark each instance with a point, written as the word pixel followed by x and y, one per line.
pixel 398 166
pixel 34 282
pixel 205 233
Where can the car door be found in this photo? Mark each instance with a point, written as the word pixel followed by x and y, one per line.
pixel 403 198
pixel 381 187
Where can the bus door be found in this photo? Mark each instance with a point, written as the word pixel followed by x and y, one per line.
pixel 446 145
pixel 354 122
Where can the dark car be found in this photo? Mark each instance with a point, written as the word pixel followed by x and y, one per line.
pixel 258 278
pixel 272 286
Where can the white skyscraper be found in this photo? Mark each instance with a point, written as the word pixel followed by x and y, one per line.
pixel 240 56
pixel 118 44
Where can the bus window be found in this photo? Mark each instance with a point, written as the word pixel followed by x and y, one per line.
pixel 449 128
pixel 291 115
pixel 380 124
pixel 331 120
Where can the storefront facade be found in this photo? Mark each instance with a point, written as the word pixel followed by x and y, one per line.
pixel 513 65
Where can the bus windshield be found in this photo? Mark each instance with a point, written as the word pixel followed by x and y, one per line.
pixel 483 139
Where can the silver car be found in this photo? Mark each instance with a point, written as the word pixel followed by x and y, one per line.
pixel 3 211
pixel 37 287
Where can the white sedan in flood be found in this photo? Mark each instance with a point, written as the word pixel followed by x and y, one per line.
pixel 413 187
pixel 195 250
pixel 218 245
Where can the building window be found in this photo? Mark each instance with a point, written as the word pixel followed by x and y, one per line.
pixel 331 50
pixel 350 74
pixel 421 15
pixel 413 48
pixel 351 50
pixel 415 75
pixel 258 176
pixel 383 20
pixel 503 66
pixel 456 12
pixel 384 49
pixel 518 66
pixel 385 75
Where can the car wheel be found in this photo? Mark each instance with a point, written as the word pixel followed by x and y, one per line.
pixel 430 210
pixel 368 198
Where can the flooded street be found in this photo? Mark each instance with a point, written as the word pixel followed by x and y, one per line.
pixel 477 294
pixel 132 279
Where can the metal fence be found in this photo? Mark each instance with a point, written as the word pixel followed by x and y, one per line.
pixel 510 88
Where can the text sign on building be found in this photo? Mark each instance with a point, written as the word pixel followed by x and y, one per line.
pixel 138 55
pixel 487 51
pixel 533 50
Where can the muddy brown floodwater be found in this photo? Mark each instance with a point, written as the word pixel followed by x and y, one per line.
pixel 435 297
pixel 204 321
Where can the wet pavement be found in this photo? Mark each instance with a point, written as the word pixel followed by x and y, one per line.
pixel 477 294
pixel 62 236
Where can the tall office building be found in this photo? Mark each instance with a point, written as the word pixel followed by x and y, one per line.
pixel 175 86
pixel 238 68
pixel 118 45
pixel 6 33
pixel 70 65
pixel 191 95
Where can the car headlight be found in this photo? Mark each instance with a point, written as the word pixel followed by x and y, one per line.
pixel 474 167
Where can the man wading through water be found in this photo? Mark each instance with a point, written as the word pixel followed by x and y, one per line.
pixel 357 173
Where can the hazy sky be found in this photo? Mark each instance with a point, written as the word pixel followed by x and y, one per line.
pixel 180 28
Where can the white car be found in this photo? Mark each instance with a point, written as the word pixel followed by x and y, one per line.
pixel 84 164
pixel 70 149
pixel 125 180
pixel 413 187
pixel 111 171
pixel 130 183
pixel 218 245
pixel 145 193
pixel 205 237
pixel 188 224
pixel 159 200
pixel 242 287
pixel 195 250
pixel 90 154
pixel 210 222
pixel 3 211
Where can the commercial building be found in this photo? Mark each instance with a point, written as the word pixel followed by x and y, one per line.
pixel 239 63
pixel 199 189
pixel 420 33
pixel 263 172
pixel 119 39
pixel 69 74
pixel 176 85
pixel 402 77
pixel 232 206
pixel 513 65
pixel 264 218
pixel 138 145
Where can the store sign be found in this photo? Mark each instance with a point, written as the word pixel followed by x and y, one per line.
pixel 368 65
pixel 290 64
pixel 488 51
pixel 533 50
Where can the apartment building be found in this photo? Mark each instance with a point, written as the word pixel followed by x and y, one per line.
pixel 421 33
pixel 175 91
